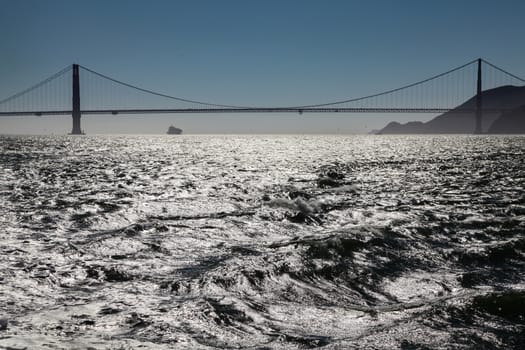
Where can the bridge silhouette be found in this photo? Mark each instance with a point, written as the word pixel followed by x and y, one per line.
pixel 77 90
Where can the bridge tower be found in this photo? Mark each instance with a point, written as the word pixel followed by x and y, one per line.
pixel 76 102
pixel 479 114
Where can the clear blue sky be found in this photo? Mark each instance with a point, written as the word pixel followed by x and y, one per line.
pixel 286 52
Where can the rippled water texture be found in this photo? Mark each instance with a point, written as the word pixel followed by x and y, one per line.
pixel 279 242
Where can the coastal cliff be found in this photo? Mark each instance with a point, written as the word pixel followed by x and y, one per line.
pixel 512 122
pixel 457 122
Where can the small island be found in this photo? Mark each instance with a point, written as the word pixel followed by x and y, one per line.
pixel 174 131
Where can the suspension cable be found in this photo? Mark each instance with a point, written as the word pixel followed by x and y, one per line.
pixel 54 76
pixel 158 93
pixel 68 68
pixel 504 71
pixel 389 91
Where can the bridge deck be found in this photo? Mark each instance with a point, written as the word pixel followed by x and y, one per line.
pixel 252 110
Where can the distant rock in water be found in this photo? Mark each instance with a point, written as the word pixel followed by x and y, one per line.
pixel 512 122
pixel 174 131
pixel 457 122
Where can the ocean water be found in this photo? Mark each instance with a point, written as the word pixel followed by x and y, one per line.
pixel 262 242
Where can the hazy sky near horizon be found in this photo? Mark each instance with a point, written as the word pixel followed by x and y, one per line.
pixel 286 52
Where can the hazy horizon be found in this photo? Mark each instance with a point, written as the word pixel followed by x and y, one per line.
pixel 201 124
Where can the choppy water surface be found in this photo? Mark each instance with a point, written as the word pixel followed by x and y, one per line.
pixel 287 242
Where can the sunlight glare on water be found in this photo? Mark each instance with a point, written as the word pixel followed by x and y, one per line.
pixel 268 242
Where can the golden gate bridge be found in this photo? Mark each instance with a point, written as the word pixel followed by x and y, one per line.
pixel 77 90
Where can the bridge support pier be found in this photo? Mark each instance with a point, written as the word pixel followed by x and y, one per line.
pixel 479 113
pixel 77 130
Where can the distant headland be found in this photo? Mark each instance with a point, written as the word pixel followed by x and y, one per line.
pixel 456 122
